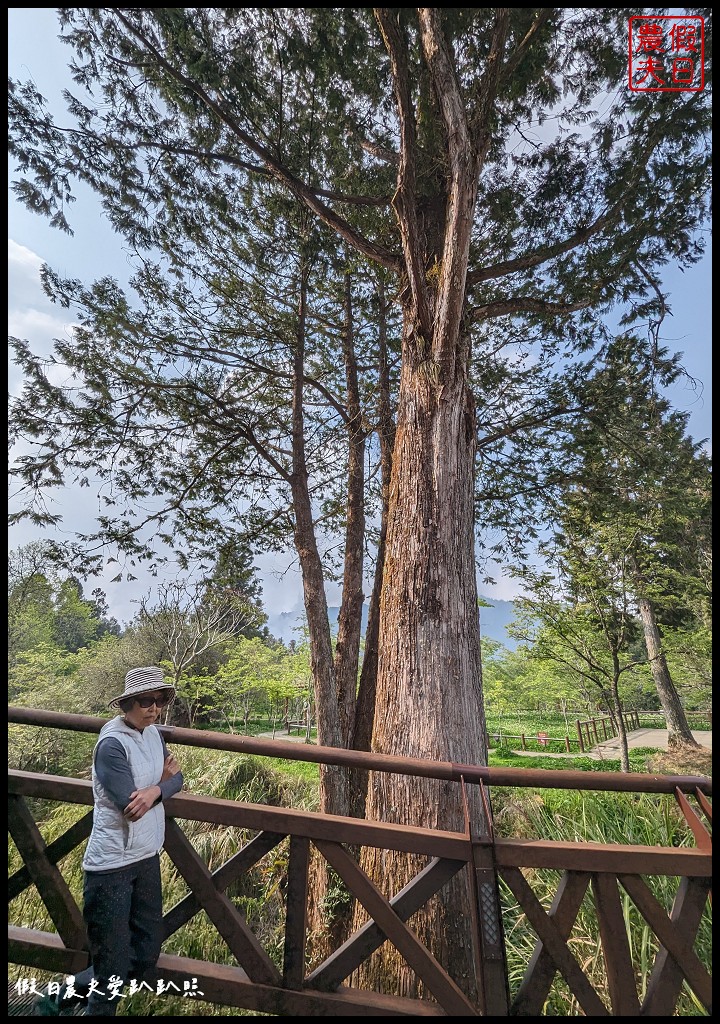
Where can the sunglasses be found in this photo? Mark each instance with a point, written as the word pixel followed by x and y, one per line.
pixel 159 700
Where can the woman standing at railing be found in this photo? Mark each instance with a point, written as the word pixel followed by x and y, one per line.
pixel 132 773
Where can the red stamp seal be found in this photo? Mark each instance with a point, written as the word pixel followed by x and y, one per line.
pixel 666 53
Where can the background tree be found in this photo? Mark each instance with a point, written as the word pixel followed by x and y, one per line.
pixel 589 632
pixel 642 498
pixel 689 652
pixel 76 620
pixel 518 681
pixel 242 678
pixel 30 595
pixel 42 677
pixel 45 608
pixel 187 619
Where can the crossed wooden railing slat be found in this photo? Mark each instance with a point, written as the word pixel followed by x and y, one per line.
pixel 587 871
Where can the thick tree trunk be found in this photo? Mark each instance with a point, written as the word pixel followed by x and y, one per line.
pixel 429 676
pixel 679 732
pixel 429 687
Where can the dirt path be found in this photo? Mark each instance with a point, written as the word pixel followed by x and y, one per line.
pixel 610 749
pixel 286 737
pixel 657 738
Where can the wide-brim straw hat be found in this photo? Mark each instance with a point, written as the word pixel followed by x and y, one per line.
pixel 142 680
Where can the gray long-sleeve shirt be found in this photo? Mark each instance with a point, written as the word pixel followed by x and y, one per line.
pixel 113 770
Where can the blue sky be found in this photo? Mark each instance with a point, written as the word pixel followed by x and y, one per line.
pixel 35 52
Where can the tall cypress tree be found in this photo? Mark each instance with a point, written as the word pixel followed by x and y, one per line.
pixel 425 167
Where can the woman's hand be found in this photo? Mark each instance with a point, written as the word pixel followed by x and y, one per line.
pixel 141 800
pixel 170 768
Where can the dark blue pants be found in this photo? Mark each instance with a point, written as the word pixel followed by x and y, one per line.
pixel 123 914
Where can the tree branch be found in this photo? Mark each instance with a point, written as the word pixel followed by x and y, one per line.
pixel 388 156
pixel 488 85
pixel 548 252
pixel 405 198
pixel 277 170
pixel 607 219
pixel 544 15
pixel 527 424
pixel 222 156
pixel 524 304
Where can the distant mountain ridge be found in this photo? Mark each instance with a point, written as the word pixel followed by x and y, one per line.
pixel 494 620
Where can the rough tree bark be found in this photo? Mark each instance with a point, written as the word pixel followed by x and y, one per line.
pixel 429 675
pixel 429 652
pixel 679 732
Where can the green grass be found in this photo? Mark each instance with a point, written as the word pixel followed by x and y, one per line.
pixel 504 757
pixel 609 818
pixel 307 770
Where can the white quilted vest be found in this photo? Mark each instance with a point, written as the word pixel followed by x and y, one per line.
pixel 114 841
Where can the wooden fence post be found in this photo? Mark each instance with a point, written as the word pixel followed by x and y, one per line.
pixel 580 736
pixel 486 913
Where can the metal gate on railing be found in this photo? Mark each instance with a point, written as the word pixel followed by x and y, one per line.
pixel 605 874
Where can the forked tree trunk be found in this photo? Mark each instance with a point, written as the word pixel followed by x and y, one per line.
pixel 429 676
pixel 679 732
pixel 347 647
pixel 334 795
pixel 429 687
pixel 365 708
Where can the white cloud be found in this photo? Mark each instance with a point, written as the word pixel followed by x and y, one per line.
pixel 31 314
pixel 25 290
pixel 27 322
pixel 23 256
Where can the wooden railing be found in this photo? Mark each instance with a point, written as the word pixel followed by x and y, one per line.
pixel 589 732
pixel 701 720
pixel 604 873
pixel 595 730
